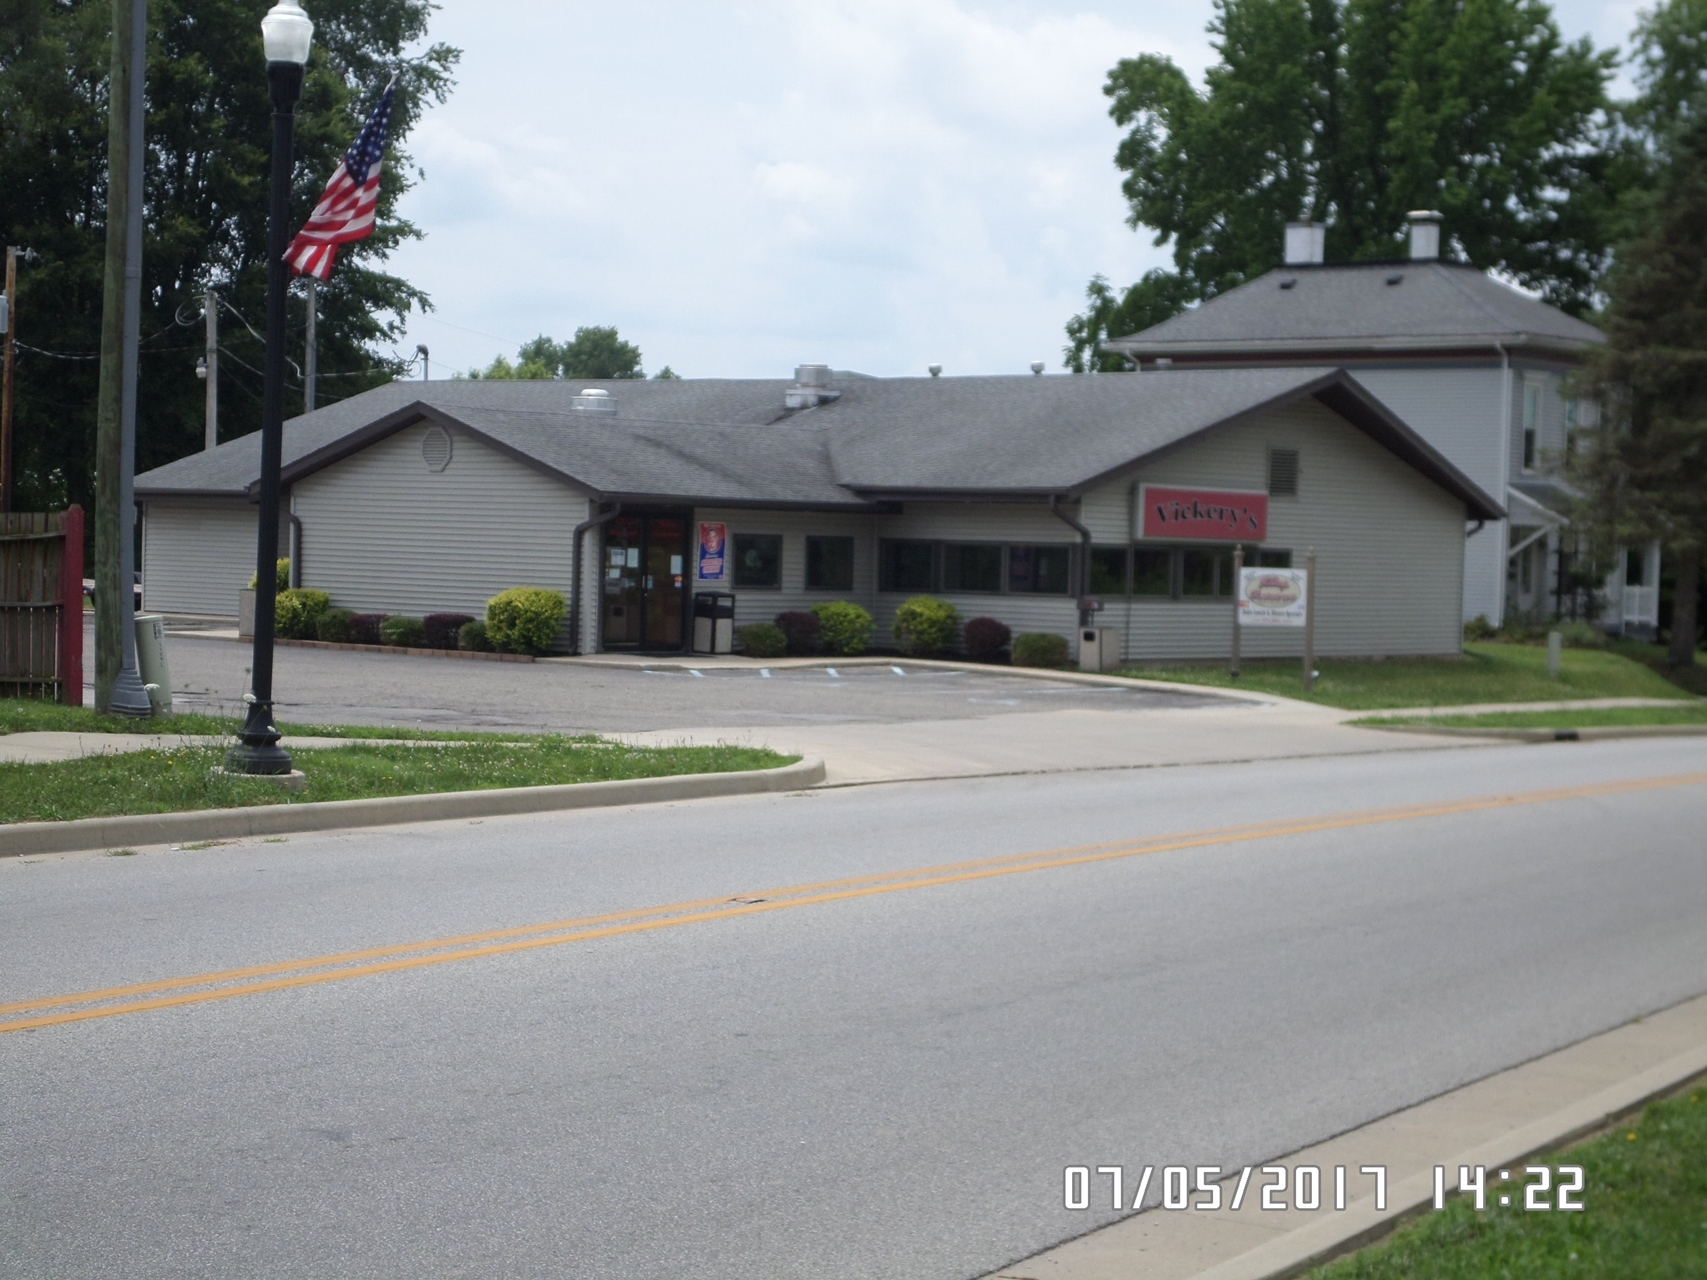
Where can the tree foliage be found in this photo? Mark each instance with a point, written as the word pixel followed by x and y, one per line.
pixel 1353 112
pixel 208 135
pixel 1644 471
pixel 595 352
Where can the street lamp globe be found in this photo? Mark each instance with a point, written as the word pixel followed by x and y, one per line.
pixel 286 33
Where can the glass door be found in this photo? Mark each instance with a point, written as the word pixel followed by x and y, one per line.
pixel 645 583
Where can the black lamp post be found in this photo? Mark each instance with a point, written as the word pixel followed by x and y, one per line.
pixel 286 34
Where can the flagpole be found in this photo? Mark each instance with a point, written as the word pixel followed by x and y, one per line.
pixel 310 364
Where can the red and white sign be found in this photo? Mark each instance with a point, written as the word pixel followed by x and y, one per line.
pixel 1273 597
pixel 1202 515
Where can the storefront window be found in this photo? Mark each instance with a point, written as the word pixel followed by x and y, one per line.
pixel 829 564
pixel 972 566
pixel 907 566
pixel 758 559
pixel 1040 570
pixel 1153 572
pixel 1108 571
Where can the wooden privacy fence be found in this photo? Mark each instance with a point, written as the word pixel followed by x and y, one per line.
pixel 41 605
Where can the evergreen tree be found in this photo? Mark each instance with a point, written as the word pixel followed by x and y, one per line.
pixel 1644 470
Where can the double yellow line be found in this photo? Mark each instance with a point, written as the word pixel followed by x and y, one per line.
pixel 227 984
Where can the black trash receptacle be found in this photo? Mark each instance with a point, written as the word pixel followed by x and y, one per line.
pixel 713 622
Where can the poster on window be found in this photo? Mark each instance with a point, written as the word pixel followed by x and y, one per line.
pixel 1273 597
pixel 713 551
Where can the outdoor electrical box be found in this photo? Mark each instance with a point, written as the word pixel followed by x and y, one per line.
pixel 1099 648
pixel 713 622
pixel 151 661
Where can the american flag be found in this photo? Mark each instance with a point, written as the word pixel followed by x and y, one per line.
pixel 345 211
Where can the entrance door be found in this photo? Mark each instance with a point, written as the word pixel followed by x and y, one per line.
pixel 645 583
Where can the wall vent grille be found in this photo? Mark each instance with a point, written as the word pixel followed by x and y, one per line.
pixel 1283 473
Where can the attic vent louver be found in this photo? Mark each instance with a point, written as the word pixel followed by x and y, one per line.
pixel 1283 473
pixel 811 387
pixel 435 448
pixel 595 400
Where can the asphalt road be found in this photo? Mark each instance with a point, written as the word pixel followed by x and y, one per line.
pixel 882 1085
pixel 331 686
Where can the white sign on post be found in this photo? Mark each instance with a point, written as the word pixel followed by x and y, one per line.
pixel 1273 597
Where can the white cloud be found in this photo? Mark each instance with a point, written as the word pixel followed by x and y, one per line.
pixel 740 185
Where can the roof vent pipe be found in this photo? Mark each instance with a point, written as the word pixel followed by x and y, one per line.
pixel 1305 242
pixel 1425 234
pixel 594 400
pixel 811 387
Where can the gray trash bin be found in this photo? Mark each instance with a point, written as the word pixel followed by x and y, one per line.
pixel 713 622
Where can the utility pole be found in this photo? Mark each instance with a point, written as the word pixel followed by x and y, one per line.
pixel 310 365
pixel 6 387
pixel 210 310
pixel 118 689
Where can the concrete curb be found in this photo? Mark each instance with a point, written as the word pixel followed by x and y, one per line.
pixel 1586 733
pixel 1360 1224
pixel 327 815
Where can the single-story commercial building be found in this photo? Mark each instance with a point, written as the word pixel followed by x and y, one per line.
pixel 1022 499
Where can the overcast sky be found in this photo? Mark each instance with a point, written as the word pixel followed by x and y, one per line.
pixel 744 185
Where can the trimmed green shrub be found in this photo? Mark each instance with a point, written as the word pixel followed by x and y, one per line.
pixel 1583 635
pixel 925 626
pixel 283 583
pixel 440 630
pixel 985 638
pixel 845 626
pixel 761 640
pixel 804 632
pixel 524 619
pixel 334 626
pixel 1479 628
pixel 364 627
pixel 472 638
pixel 297 613
pixel 407 632
pixel 1040 649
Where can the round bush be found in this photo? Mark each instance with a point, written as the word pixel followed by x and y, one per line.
pixel 762 640
pixel 1040 649
pixel 925 625
pixel 334 626
pixel 283 580
pixel 440 630
pixel 846 627
pixel 407 632
pixel 472 638
pixel 524 619
pixel 364 627
pixel 804 632
pixel 985 638
pixel 297 613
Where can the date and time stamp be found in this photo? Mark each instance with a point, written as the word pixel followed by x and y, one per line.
pixel 1279 1188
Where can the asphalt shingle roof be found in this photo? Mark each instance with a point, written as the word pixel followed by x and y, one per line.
pixel 733 441
pixel 1352 304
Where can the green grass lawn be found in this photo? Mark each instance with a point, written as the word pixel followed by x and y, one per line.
pixel 1644 1216
pixel 1486 673
pixel 29 715
pixel 176 781
pixel 1588 718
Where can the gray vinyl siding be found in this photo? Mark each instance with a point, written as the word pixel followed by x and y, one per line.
pixel 1458 409
pixel 383 534
pixel 198 554
pixel 1388 543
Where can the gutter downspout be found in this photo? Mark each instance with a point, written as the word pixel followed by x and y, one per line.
pixel 295 550
pixel 1084 574
pixel 575 574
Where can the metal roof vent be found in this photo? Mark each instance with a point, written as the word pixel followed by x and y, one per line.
pixel 595 400
pixel 811 387
pixel 935 370
pixel 435 448
pixel 1037 368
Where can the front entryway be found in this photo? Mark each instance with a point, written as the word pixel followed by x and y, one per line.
pixel 645 583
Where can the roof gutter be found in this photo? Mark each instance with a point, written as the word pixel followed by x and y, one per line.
pixel 1306 346
pixel 575 574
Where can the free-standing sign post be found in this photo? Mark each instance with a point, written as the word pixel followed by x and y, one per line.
pixel 1310 619
pixel 1238 603
pixel 1279 598
pixel 713 551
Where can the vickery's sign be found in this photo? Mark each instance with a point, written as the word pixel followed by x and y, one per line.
pixel 1208 515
